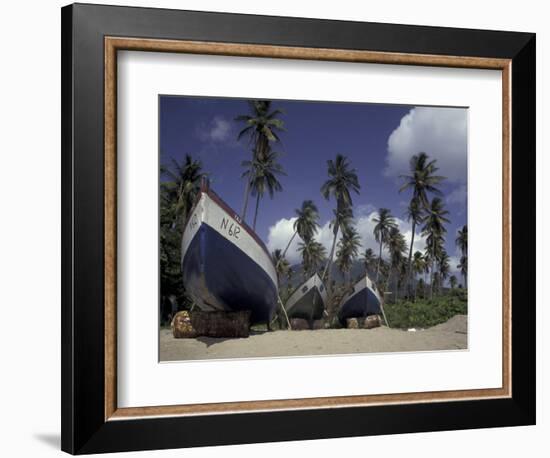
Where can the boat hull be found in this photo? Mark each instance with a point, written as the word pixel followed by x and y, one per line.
pixel 308 301
pixel 224 272
pixel 362 302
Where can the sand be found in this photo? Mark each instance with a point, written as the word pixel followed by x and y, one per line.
pixel 451 335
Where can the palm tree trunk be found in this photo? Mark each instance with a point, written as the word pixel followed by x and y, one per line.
pixel 328 269
pixel 256 212
pixel 286 249
pixel 409 270
pixel 245 204
pixel 431 283
pixel 379 259
pixel 388 279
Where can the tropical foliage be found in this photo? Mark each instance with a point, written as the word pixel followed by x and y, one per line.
pixel 421 181
pixel 348 250
pixel 262 126
pixel 384 223
pixel 342 181
pixel 313 255
pixel 462 244
pixel 178 193
pixel 261 175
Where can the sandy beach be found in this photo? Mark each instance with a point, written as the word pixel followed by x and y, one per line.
pixel 451 335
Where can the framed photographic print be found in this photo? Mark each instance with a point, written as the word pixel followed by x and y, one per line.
pixel 270 222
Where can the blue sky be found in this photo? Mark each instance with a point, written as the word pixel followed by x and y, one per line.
pixel 377 139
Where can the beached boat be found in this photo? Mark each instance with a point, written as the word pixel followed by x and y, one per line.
pixel 308 301
pixel 225 265
pixel 363 300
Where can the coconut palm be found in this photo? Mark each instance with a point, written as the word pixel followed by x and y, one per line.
pixel 462 244
pixel 341 183
pixel 463 266
pixel 434 230
pixel 306 223
pixel 421 181
pixel 444 266
pixel 384 222
pixel 414 213
pixel 348 249
pixel 182 188
pixel 397 247
pixel 418 266
pixel 261 172
pixel 453 281
pixel 262 126
pixel 282 266
pixel 369 260
pixel 313 254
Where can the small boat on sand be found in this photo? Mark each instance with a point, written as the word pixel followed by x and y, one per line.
pixel 225 265
pixel 363 300
pixel 308 301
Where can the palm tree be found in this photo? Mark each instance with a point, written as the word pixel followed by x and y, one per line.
pixel 306 223
pixel 463 266
pixel 348 249
pixel 262 126
pixel 415 213
pixel 342 181
pixel 462 244
pixel 182 187
pixel 384 223
pixel 421 181
pixel 444 266
pixel 261 173
pixel 418 267
pixel 453 281
pixel 282 266
pixel 434 229
pixel 313 254
pixel 397 247
pixel 369 260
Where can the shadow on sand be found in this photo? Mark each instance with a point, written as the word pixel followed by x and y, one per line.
pixel 209 341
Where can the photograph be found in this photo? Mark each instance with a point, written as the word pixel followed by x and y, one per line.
pixel 302 228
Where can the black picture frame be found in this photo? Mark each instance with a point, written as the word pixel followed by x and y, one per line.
pixel 84 428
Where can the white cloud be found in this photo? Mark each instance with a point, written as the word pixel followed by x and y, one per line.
pixel 439 132
pixel 279 236
pixel 217 130
pixel 281 232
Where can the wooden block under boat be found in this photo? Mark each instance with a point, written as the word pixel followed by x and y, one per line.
pixel 211 324
pixel 352 323
pixel 372 321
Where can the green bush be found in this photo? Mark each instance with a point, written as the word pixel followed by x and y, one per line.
pixel 425 313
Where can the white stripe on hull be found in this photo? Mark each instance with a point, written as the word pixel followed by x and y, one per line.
pixel 209 212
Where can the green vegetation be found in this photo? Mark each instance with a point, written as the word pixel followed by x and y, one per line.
pixel 424 313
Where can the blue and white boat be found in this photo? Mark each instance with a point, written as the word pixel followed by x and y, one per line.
pixel 363 300
pixel 308 301
pixel 225 265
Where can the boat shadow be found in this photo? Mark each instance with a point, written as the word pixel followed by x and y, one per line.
pixel 210 341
